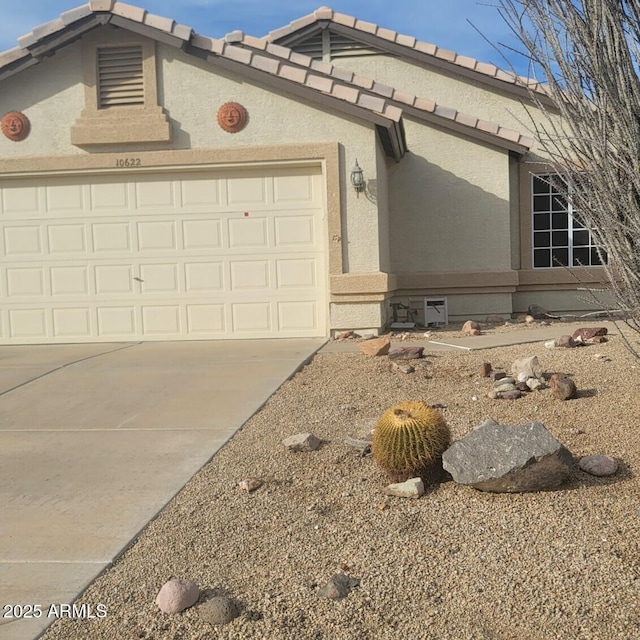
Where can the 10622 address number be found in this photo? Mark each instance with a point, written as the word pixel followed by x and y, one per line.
pixel 128 162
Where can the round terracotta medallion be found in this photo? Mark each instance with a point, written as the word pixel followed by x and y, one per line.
pixel 232 117
pixel 15 125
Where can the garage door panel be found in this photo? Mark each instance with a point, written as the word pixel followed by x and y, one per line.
pixel 72 323
pixel 163 257
pixel 206 320
pixel 204 277
pixel 67 239
pixel 23 241
pixel 298 315
pixel 69 281
pixel 202 234
pixel 157 236
pixel 117 322
pixel 111 237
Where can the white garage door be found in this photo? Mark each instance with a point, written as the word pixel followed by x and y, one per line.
pixel 163 256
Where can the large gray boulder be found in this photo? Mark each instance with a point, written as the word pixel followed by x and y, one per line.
pixel 502 458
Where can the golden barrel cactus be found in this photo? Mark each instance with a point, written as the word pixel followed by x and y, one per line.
pixel 409 440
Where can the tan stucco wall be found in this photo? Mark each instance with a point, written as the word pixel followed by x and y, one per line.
pixel 449 205
pixel 51 94
pixel 380 194
pixel 562 301
pixel 462 94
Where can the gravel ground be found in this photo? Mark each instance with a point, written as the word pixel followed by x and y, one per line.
pixel 456 564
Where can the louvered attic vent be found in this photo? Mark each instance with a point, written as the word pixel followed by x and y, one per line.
pixel 336 44
pixel 120 77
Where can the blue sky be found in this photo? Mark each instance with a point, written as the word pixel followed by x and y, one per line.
pixel 451 24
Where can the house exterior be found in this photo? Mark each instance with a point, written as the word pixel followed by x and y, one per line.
pixel 158 184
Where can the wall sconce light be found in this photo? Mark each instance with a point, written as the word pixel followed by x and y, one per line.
pixel 357 179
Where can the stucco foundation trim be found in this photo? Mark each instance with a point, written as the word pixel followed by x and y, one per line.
pixel 453 281
pixel 362 283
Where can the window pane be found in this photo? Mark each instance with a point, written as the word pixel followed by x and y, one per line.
pixel 559 203
pixel 581 257
pixel 542 258
pixel 541 203
pixel 542 239
pixel 542 222
pixel 540 184
pixel 581 238
pixel 560 257
pixel 560 220
pixel 560 238
pixel 595 258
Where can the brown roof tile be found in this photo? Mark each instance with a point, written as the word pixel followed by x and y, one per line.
pixel 159 22
pixel 349 94
pixel 101 5
pixel 321 83
pixel 129 11
pixel 76 14
pixel 367 27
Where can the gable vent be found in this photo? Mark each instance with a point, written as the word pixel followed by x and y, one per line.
pixel 345 46
pixel 120 77
pixel 311 47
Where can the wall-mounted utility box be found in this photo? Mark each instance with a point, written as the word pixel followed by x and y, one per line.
pixel 436 311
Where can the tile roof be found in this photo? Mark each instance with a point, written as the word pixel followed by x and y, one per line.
pixel 349 86
pixel 351 22
pixel 267 58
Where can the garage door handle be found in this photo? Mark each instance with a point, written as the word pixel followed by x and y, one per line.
pixel 138 279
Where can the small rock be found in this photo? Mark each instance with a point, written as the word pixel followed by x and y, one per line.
pixel 218 610
pixel 485 370
pixel 406 353
pixel 528 366
pixel 402 368
pixel 538 313
pixel 412 488
pixel 250 484
pixel 472 328
pixel 494 318
pixel 511 395
pixel 338 587
pixel 376 346
pixel 503 388
pixel 497 375
pixel 505 380
pixel 494 395
pixel 344 335
pixel 550 344
pixel 522 386
pixel 598 465
pixel 562 387
pixel 302 442
pixel 566 342
pixel 534 384
pixel 576 432
pixel 585 334
pixel 529 319
pixel 177 595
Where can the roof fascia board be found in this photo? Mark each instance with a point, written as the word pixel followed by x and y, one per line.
pixel 66 36
pixel 443 65
pixel 300 91
pixel 465 131
pixel 149 32
pixel 18 66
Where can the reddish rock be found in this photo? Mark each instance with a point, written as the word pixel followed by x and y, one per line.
pixel 177 595
pixel 376 347
pixel 406 353
pixel 497 375
pixel 562 387
pixel 597 339
pixel 586 334
pixel 522 386
pixel 485 370
pixel 472 328
pixel 344 335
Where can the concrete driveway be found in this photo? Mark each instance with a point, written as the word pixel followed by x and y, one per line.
pixel 96 439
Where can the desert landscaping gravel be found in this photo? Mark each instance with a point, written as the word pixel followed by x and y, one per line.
pixel 456 564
